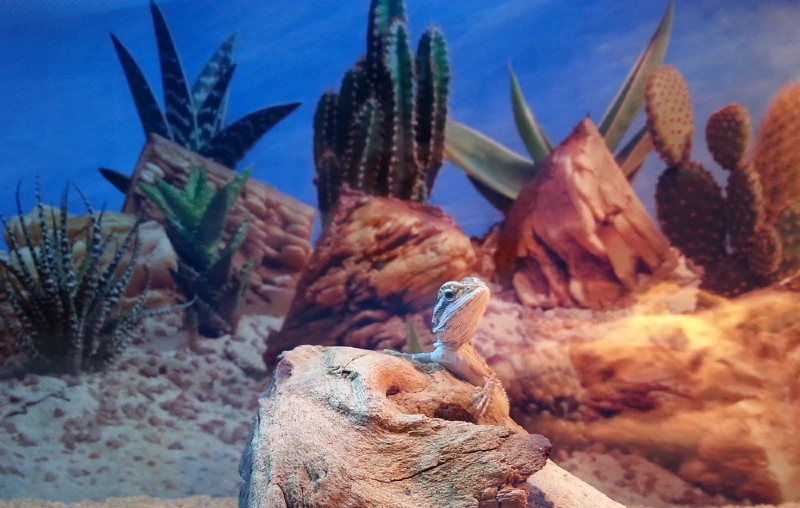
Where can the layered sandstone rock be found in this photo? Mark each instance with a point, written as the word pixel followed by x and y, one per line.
pixel 376 258
pixel 577 235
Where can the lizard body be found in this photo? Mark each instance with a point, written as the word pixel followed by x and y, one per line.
pixel 458 312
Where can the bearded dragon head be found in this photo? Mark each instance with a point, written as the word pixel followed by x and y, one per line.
pixel 459 310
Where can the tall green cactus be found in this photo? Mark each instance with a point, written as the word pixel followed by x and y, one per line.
pixel 196 117
pixel 196 218
pixel 383 133
pixel 750 237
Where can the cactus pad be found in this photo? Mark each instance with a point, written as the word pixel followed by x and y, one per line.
pixel 788 227
pixel 691 211
pixel 729 277
pixel 777 151
pixel 728 133
pixel 765 252
pixel 670 118
pixel 744 206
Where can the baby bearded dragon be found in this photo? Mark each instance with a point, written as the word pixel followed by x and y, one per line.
pixel 458 312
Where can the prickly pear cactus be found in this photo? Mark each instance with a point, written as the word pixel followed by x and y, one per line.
pixel 383 132
pixel 750 237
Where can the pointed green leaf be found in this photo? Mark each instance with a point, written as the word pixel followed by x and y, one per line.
pixel 215 215
pixel 177 100
pixel 230 146
pixel 412 338
pixel 530 131
pixel 208 112
pixel 632 156
pixel 117 179
pixel 486 160
pixel 220 271
pixel 497 200
pixel 146 105
pixel 215 67
pixel 629 99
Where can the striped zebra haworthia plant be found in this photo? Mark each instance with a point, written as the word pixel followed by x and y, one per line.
pixel 383 133
pixel 499 174
pixel 69 318
pixel 194 118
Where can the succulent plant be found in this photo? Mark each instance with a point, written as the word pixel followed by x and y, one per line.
pixel 383 133
pixel 751 236
pixel 69 318
pixel 196 218
pixel 195 119
pixel 499 174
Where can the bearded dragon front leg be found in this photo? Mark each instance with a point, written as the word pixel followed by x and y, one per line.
pixel 459 309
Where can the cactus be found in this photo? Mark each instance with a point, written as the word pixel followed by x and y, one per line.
pixel 194 118
pixel 196 218
pixel 69 318
pixel 750 237
pixel 499 174
pixel 383 132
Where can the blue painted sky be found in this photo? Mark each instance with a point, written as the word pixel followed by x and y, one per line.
pixel 66 108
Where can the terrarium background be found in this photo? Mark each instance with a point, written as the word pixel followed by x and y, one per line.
pixel 67 109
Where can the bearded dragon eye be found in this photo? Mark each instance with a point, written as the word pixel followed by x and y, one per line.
pixel 449 295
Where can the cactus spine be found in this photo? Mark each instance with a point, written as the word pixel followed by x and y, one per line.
pixel 383 132
pixel 750 237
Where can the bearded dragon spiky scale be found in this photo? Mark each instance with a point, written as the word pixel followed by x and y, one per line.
pixel 458 312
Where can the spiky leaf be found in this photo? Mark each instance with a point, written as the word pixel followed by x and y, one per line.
pixel 150 115
pixel 532 134
pixel 215 68
pixel 117 179
pixel 487 161
pixel 632 156
pixel 177 99
pixel 628 101
pixel 208 110
pixel 230 146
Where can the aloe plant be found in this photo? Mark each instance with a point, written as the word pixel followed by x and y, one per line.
pixel 499 173
pixel 68 316
pixel 194 118
pixel 383 133
pixel 196 218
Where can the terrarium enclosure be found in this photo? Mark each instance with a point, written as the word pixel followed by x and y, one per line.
pixel 400 253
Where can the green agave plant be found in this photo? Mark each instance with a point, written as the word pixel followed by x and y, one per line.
pixel 195 119
pixel 499 174
pixel 196 217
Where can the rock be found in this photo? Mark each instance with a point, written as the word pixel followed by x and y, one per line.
pixel 577 235
pixel 376 258
pixel 280 226
pixel 346 427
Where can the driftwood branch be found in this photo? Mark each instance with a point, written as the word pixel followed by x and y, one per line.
pixel 349 428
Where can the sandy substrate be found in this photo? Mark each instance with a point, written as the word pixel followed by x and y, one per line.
pixel 164 422
pixel 170 423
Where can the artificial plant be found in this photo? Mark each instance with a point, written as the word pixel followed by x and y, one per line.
pixel 383 133
pixel 196 217
pixel 194 118
pixel 751 236
pixel 69 318
pixel 499 174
